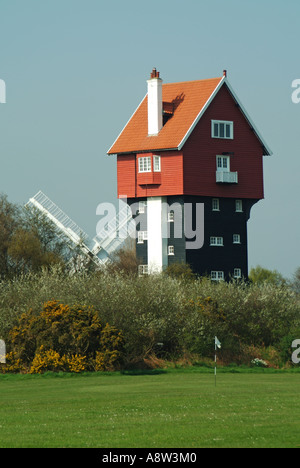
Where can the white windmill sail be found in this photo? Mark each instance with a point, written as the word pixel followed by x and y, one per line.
pixel 106 242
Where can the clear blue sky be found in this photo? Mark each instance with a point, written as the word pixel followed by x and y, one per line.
pixel 76 70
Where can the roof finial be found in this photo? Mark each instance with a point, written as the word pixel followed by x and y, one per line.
pixel 225 73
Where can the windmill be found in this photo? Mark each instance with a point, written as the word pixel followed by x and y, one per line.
pixel 103 244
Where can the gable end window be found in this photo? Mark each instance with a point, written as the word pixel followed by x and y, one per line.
pixel 222 129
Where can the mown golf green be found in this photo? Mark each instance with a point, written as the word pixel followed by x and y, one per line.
pixel 174 409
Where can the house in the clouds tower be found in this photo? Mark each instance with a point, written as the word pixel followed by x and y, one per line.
pixel 190 154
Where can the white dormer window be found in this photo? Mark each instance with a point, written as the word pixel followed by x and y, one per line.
pixel 222 129
pixel 145 164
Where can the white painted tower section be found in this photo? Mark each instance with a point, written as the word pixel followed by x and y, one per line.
pixel 155 106
pixel 157 234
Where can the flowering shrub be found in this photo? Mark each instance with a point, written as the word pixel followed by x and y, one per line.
pixel 183 316
pixel 64 338
pixel 50 360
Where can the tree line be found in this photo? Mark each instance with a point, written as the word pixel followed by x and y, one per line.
pixel 29 242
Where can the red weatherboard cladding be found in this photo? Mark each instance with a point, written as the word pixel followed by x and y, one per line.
pixel 126 175
pixel 200 153
pixel 150 184
pixel 171 177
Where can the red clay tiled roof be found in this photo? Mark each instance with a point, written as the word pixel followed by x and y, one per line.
pixel 188 99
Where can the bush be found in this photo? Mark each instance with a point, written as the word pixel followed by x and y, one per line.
pixel 65 338
pixel 159 315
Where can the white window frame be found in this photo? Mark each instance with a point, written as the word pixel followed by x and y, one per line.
pixel 237 273
pixel 143 270
pixel 171 250
pixel 239 206
pixel 223 163
pixel 236 238
pixel 217 275
pixel 156 163
pixel 142 236
pixel 218 125
pixel 216 241
pixel 215 204
pixel 145 164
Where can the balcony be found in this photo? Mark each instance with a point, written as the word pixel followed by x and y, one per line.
pixel 226 177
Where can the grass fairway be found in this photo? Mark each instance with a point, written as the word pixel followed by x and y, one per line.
pixel 176 409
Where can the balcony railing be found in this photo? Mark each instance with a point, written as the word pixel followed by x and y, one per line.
pixel 226 177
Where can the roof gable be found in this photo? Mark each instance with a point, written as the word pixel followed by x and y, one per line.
pixel 188 100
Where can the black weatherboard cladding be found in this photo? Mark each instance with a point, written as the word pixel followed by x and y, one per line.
pixel 223 223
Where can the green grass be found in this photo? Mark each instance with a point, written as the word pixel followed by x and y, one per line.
pixel 173 409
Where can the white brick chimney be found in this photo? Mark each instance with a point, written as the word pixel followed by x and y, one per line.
pixel 155 110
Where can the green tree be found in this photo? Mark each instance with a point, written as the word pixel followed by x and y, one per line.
pixel 296 281
pixel 9 222
pixel 263 275
pixel 125 259
pixel 28 240
pixel 180 271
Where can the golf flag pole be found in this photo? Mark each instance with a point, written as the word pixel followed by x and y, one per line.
pixel 217 345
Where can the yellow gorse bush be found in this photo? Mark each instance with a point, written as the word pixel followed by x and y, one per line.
pixel 63 338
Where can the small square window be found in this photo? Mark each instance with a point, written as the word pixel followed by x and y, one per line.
pixel 171 216
pixel 238 206
pixel 237 273
pixel 171 250
pixel 142 235
pixel 236 239
pixel 143 270
pixel 215 204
